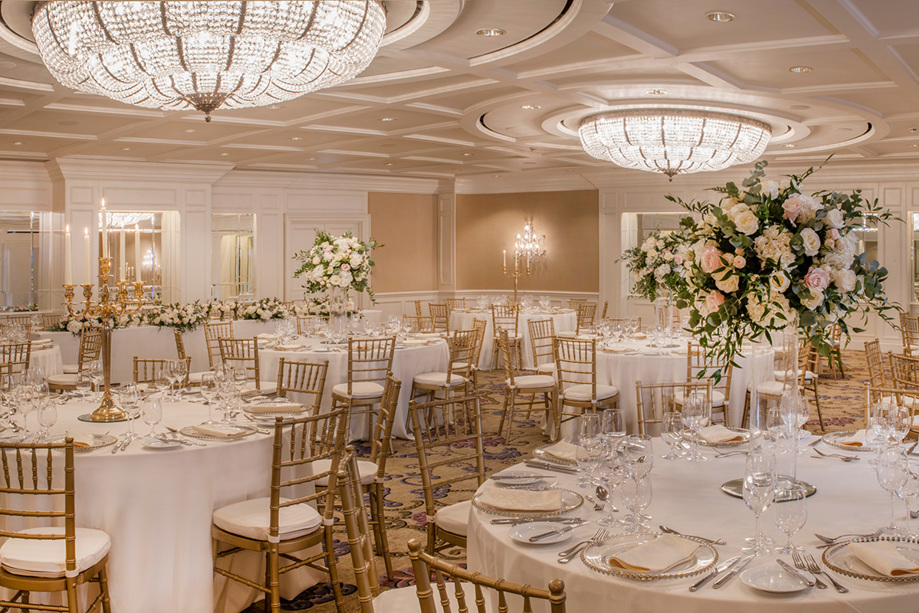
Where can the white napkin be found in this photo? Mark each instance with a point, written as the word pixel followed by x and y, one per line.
pixel 411 342
pixel 275 407
pixel 288 347
pixel 265 336
pixel 218 432
pixel 719 434
pixel 657 556
pixel 563 451
pixel 857 439
pixel 884 557
pixel 521 500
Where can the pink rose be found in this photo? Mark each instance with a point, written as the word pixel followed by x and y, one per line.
pixel 817 278
pixel 740 261
pixel 678 260
pixel 793 208
pixel 834 233
pixel 713 301
pixel 711 260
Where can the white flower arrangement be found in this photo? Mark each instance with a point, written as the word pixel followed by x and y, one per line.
pixel 342 262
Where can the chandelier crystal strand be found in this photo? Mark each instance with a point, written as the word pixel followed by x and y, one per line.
pixel 529 246
pixel 673 141
pixel 206 54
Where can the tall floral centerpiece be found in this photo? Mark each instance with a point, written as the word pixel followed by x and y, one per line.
pixel 659 267
pixel 334 266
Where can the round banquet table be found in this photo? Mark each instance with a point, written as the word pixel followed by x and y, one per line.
pixel 564 320
pixel 408 361
pixel 48 358
pixel 156 505
pixel 687 497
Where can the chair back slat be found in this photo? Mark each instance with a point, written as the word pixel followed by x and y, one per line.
pixel 241 353
pixel 16 356
pixel 542 331
pixel 305 378
pixel 456 303
pixel 576 363
pixel 147 370
pixel 440 316
pixel 505 317
pixel 418 323
pixel 652 400
pixel 358 530
pixel 877 373
pixel 306 324
pixel 369 360
pixel 90 346
pixel 462 345
pixel 586 313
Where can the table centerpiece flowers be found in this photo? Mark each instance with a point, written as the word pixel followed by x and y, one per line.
pixel 659 264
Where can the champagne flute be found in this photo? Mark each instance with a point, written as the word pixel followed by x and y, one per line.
pixel 588 441
pixel 790 510
pixel 672 434
pixel 130 399
pixel 209 391
pixel 892 473
pixel 758 493
pixel 695 417
pixel 152 412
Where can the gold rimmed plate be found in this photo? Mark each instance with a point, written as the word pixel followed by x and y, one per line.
pixel 570 501
pixel 596 557
pixel 839 559
pixel 545 453
pixel 83 441
pixel 833 439
pixel 218 432
pixel 745 435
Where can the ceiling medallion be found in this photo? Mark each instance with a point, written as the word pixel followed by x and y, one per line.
pixel 206 55
pixel 673 141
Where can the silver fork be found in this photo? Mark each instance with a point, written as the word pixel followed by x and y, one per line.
pixel 799 564
pixel 571 553
pixel 598 506
pixel 815 569
pixel 844 458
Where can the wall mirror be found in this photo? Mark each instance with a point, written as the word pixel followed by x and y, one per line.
pixel 19 259
pixel 135 243
pixel 232 256
pixel 636 227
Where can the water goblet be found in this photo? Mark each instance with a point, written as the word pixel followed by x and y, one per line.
pixel 47 417
pixel 892 473
pixel 790 511
pixel 901 423
pixel 227 393
pixel 611 473
pixel 209 392
pixel 152 412
pixel 162 381
pixel 95 371
pixel 611 427
pixel 129 396
pixel 696 415
pixel 40 399
pixel 180 372
pixel 638 455
pixel 588 441
pixel 636 495
pixel 758 493
pixel 672 434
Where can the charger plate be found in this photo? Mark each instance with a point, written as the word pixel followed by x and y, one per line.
pixel 743 432
pixel 194 433
pixel 596 558
pixel 570 501
pixel 839 559
pixel 832 439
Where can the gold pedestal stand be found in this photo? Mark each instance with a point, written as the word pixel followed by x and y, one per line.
pixel 106 308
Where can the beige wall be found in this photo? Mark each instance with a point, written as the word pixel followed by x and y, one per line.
pixel 406 224
pixel 487 224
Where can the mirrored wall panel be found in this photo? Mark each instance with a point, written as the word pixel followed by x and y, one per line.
pixel 232 256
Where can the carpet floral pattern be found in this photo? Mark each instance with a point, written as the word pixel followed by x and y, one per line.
pixel 841 404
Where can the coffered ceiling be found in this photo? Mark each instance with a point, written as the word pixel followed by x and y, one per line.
pixel 441 101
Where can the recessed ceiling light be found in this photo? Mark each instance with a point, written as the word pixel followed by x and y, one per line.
pixel 530 107
pixel 18 142
pixel 224 154
pixel 491 32
pixel 495 176
pixel 389 119
pixel 388 164
pixel 311 159
pixel 800 69
pixel 720 16
pixel 913 146
pixel 275 107
pixel 467 155
pixel 296 138
pixel 656 92
pixel 125 148
pixel 189 130
pixel 790 146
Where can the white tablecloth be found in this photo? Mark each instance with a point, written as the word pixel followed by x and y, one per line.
pixel 565 320
pixel 687 497
pixel 407 362
pixel 48 358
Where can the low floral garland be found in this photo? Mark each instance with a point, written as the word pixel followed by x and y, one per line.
pixel 659 264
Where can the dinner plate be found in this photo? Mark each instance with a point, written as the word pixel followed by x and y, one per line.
pixel 772 579
pixel 570 501
pixel 832 439
pixel 523 532
pixel 152 442
pixel 272 409
pixel 244 431
pixel 596 558
pixel 746 434
pixel 543 453
pixel 523 477
pixel 84 441
pixel 839 559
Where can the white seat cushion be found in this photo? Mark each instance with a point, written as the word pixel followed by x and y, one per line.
pixel 438 379
pixel 63 379
pixel 454 518
pixel 405 599
pixel 581 393
pixel 717 398
pixel 769 388
pixel 367 470
pixel 808 375
pixel 71 369
pixel 48 558
pixel 359 389
pixel 194 378
pixel 251 519
pixel 264 387
pixel 548 368
pixel 531 381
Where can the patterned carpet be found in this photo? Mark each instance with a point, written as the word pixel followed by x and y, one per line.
pixel 841 403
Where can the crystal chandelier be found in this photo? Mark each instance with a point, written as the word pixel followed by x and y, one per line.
pixel 206 54
pixel 673 141
pixel 529 245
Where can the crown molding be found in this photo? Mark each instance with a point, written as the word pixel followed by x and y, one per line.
pixel 325 181
pixel 87 169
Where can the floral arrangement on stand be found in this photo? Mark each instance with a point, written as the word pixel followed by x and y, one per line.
pixel 264 309
pixel 769 255
pixel 336 264
pixel 659 265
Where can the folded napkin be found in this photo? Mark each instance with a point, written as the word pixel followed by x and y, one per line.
pixel 411 342
pixel 218 432
pixel 42 341
pixel 288 347
pixel 275 407
pixel 858 439
pixel 660 555
pixel 563 451
pixel 639 335
pixel 507 499
pixel 265 336
pixel 719 434
pixel 884 557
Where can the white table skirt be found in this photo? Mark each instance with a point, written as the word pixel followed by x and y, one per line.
pixel 687 497
pixel 407 363
pixel 48 358
pixel 564 321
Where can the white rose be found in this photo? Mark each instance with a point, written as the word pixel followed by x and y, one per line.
pixel 834 218
pixel 327 256
pixel 771 189
pixel 745 220
pixel 813 303
pixel 779 281
pixel 845 280
pixel 335 280
pixel 811 242
pixel 316 260
pixel 728 285
pixel 355 260
pixel 74 326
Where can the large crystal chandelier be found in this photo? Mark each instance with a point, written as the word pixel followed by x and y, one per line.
pixel 673 141
pixel 206 54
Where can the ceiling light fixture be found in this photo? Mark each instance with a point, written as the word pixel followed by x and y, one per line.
pixel 800 69
pixel 18 142
pixel 296 138
pixel 206 55
pixel 656 92
pixel 389 119
pixel 673 141
pixel 720 16
pixel 790 146
pixel 530 107
pixel 491 32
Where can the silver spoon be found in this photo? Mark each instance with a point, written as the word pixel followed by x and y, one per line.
pixel 603 494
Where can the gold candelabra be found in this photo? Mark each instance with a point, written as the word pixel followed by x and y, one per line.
pixel 527 247
pixel 110 304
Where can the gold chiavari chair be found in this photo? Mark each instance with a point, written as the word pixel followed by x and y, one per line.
pixel 17 356
pixel 440 316
pixel 49 320
pixel 605 307
pixel 909 331
pixel 904 396
pixel 506 318
pixel 418 323
pixel 147 370
pixel 291 519
pixel 52 557
pixel 90 348
pixel 700 365
pixel 586 313
pixel 306 324
pixel 480 326
pixel 542 337
pixel 357 528
pixel 877 373
pixel 652 400
pixel 213 332
pixel 457 378
pixel 243 353
pixel 576 377
pixel 456 303
pixel 574 303
pixel 307 379
pixel 418 310
pixel 193 378
pixel 524 385
pixel 448 433
pixel 904 373
pixel 369 365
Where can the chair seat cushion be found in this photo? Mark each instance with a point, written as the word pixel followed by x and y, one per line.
pixel 454 518
pixel 438 379
pixel 251 519
pixel 367 470
pixel 359 389
pixel 531 381
pixel 581 392
pixel 769 388
pixel 548 368
pixel 717 398
pixel 47 559
pixel 808 375
pixel 405 599
pixel 194 378
pixel 62 379
pixel 71 369
pixel 264 387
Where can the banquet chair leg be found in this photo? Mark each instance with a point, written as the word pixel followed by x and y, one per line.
pixel 103 586
pixel 817 402
pixel 378 516
pixel 72 596
pixel 508 405
pixel 745 420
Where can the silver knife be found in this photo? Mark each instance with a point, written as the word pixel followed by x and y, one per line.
pixel 739 567
pixel 526 520
pixel 721 568
pixel 538 537
pixel 515 477
pixel 795 572
pixel 548 466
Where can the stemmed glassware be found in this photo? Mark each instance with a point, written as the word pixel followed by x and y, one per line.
pixel 672 434
pixel 901 421
pixel 892 473
pixel 696 414
pixel 590 447
pixel 41 398
pixel 152 412
pixel 611 473
pixel 84 384
pixel 96 373
pixel 636 495
pixel 758 493
pixel 129 396
pixel 790 511
pixel 209 392
pixel 879 425
pixel 163 380
pixel 47 417
pixel 909 493
pixel 638 455
pixel 179 372
pixel 227 392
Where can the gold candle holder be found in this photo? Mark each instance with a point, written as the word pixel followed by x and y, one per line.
pixel 110 304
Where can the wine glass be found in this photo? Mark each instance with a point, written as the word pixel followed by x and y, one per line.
pixel 152 412
pixel 790 510
pixel 129 396
pixel 84 384
pixel 636 495
pixel 879 424
pixel 587 454
pixel 170 369
pixel 901 423
pixel 638 455
pixel 95 372
pixel 672 434
pixel 180 371
pixel 612 427
pixel 758 494
pixel 40 399
pixel 611 473
pixel 892 473
pixel 909 493
pixel 226 391
pixel 209 391
pixel 47 417
pixel 696 414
